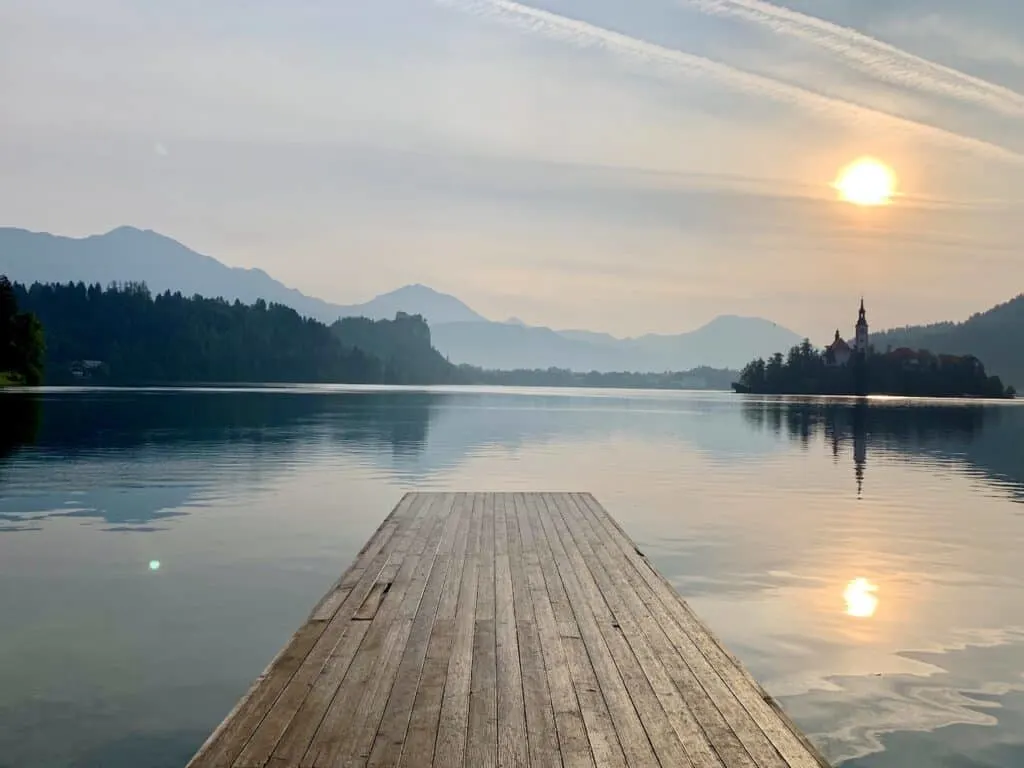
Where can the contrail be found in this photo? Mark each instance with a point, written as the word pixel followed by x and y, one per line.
pixel 675 62
pixel 873 57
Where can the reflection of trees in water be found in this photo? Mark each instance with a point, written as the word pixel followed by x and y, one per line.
pixel 876 421
pixel 986 436
pixel 19 421
pixel 134 448
pixel 128 419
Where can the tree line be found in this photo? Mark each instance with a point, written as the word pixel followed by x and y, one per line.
pixel 125 335
pixel 918 373
pixel 698 378
pixel 989 335
pixel 22 344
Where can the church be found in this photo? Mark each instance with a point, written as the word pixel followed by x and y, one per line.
pixel 839 352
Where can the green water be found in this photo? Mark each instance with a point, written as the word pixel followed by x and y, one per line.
pixel 158 547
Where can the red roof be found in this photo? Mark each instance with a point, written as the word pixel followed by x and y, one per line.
pixel 838 346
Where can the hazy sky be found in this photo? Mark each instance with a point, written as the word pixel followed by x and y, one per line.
pixel 620 165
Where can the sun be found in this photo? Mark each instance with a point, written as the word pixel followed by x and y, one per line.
pixel 866 182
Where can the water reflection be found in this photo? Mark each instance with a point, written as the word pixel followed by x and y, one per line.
pixel 19 421
pixel 863 559
pixel 397 421
pixel 861 598
pixel 182 447
pixel 951 430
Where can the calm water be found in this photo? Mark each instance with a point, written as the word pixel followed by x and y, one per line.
pixel 157 548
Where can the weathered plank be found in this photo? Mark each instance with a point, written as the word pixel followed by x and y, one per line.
pixel 604 741
pixel 613 623
pixel 647 640
pixel 591 613
pixel 482 742
pixel 789 745
pixel 542 738
pixel 512 743
pixel 231 738
pixel 424 722
pixel 574 746
pixel 504 630
pixel 362 686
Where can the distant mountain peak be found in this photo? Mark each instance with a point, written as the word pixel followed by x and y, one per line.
pixel 126 230
pixel 418 290
pixel 128 253
pixel 736 320
pixel 419 299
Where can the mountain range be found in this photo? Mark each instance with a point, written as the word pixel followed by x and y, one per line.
pixel 127 254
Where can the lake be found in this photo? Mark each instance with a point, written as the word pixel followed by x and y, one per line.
pixel 157 547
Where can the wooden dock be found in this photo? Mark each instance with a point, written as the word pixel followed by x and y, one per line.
pixel 504 630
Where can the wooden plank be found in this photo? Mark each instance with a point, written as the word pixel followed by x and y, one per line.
pixel 717 717
pixel 649 643
pixel 349 706
pixel 588 606
pixel 740 699
pixel 424 722
pixel 497 501
pixel 541 736
pixel 504 630
pixel 406 510
pixel 405 647
pixel 571 733
pixel 226 743
pixel 390 736
pixel 513 748
pixel 287 735
pixel 674 733
pixel 453 725
pixel 482 742
pixel 619 633
pixel 601 735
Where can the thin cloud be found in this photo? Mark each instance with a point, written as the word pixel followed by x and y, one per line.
pixel 675 62
pixel 869 55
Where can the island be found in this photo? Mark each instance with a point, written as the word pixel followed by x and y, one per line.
pixel 855 368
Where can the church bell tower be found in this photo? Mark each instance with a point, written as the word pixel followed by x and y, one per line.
pixel 862 329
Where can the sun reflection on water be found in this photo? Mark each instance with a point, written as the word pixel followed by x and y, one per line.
pixel 861 598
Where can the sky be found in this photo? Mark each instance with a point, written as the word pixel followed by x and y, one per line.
pixel 619 165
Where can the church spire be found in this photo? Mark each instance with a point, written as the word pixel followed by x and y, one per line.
pixel 862 329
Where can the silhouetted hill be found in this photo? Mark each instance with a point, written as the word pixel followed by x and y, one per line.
pixel 725 342
pixel 126 335
pixel 994 337
pixel 417 299
pixel 127 254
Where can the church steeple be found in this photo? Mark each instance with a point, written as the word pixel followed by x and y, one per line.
pixel 862 329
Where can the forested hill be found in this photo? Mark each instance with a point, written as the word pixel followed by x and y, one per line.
pixel 124 334
pixel 993 336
